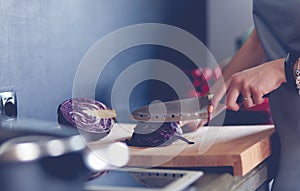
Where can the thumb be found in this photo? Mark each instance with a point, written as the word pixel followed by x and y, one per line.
pixel 219 91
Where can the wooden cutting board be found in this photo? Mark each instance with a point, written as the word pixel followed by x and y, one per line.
pixel 241 147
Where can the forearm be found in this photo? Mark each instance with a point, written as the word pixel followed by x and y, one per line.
pixel 249 55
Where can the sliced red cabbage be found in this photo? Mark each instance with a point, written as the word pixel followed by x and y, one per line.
pixel 76 112
pixel 156 134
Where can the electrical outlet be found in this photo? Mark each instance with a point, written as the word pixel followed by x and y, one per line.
pixel 8 105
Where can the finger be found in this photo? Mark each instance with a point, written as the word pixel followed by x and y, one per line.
pixel 231 98
pixel 257 97
pixel 248 101
pixel 247 98
pixel 219 92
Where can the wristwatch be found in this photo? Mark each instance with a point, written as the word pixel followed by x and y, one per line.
pixel 289 63
pixel 297 75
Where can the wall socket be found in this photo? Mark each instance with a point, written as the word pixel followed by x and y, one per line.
pixel 8 105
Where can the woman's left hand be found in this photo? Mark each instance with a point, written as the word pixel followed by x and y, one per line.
pixel 253 83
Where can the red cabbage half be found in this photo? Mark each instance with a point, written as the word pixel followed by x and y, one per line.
pixel 156 134
pixel 75 112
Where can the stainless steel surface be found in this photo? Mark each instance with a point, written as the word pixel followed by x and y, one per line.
pixel 38 156
pixel 36 147
pixel 219 181
pixel 107 156
pixel 31 148
pixel 179 110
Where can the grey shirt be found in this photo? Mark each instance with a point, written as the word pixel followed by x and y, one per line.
pixel 278 25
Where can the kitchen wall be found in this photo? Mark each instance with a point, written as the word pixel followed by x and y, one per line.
pixel 227 20
pixel 43 42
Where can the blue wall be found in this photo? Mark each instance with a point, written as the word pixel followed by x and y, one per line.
pixel 43 42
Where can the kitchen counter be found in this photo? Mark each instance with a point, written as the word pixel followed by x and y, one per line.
pixel 256 179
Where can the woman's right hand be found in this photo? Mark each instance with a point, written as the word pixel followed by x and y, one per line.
pixel 252 84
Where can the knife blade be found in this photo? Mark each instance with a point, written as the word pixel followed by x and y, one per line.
pixel 178 110
pixel 181 110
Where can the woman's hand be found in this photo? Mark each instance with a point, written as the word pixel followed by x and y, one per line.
pixel 252 84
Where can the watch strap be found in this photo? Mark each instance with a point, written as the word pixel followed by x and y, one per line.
pixel 289 62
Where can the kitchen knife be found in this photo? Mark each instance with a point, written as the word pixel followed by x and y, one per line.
pixel 181 110
pixel 178 110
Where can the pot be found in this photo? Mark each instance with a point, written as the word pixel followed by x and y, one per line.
pixel 35 160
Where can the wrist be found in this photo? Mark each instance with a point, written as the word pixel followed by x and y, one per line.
pixel 281 71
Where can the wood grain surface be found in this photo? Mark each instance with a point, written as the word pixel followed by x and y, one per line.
pixel 241 147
